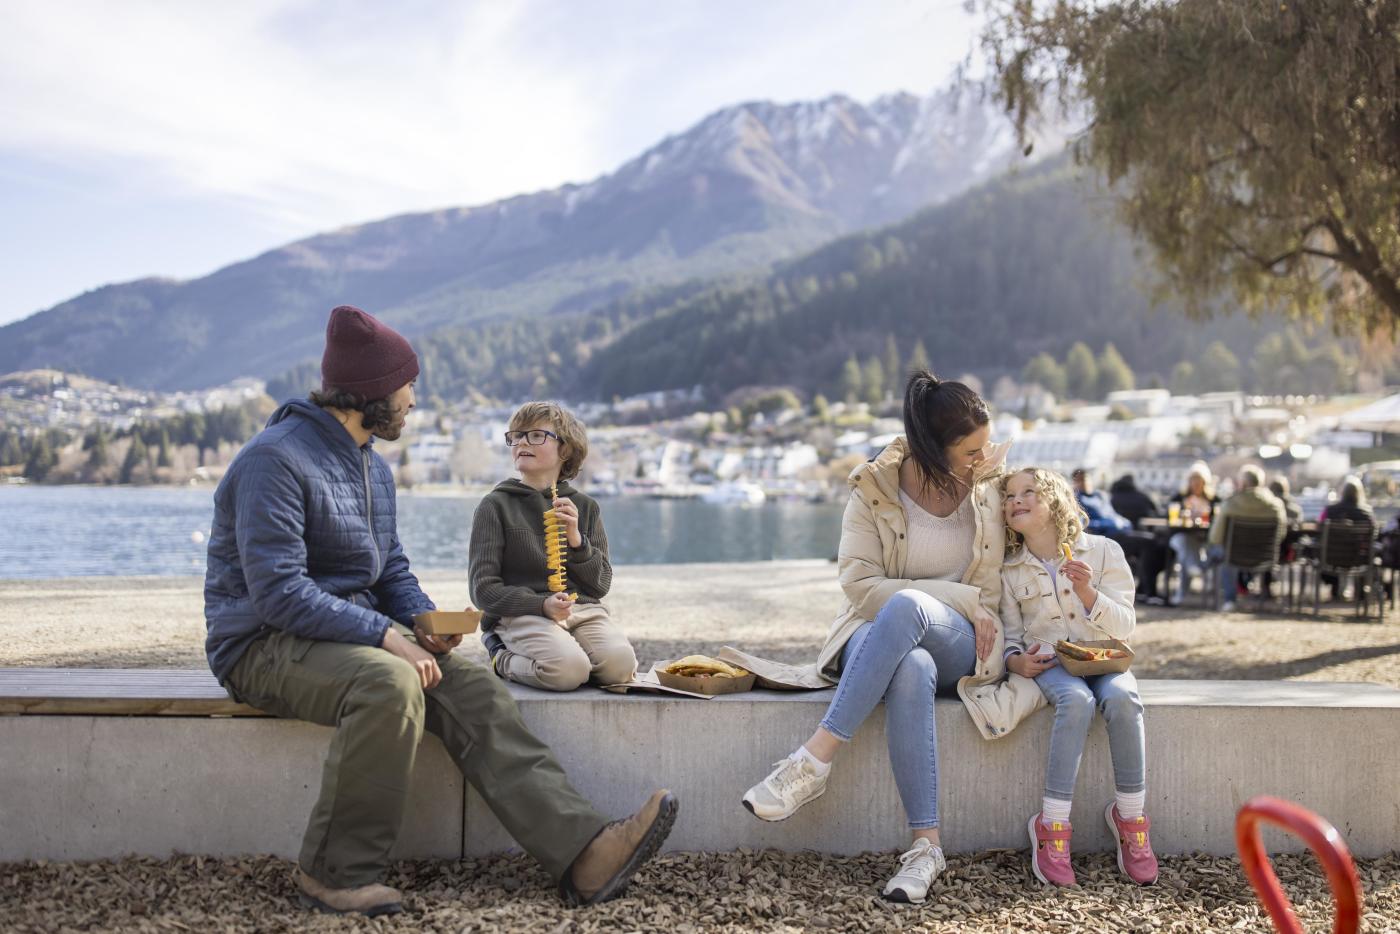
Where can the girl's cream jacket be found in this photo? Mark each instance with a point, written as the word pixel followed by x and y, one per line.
pixel 1038 608
pixel 872 560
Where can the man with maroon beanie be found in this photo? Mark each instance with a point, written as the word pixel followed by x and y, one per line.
pixel 309 603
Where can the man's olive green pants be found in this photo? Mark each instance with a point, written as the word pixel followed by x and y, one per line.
pixel 379 710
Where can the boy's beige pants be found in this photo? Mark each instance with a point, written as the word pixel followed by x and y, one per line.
pixel 563 656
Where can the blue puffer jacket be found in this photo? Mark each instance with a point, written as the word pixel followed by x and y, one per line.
pixel 304 540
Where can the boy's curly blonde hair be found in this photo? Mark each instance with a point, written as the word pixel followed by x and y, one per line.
pixel 1070 520
pixel 573 440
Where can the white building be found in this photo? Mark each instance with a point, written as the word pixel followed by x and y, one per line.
pixel 1143 403
pixel 1063 447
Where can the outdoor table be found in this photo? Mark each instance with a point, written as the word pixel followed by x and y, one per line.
pixel 1162 528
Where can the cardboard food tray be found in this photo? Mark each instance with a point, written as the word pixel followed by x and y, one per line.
pixel 1108 666
pixel 448 622
pixel 708 685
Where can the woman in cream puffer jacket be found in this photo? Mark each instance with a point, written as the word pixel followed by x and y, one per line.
pixel 922 542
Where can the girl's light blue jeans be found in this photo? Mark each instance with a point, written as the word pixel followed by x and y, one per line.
pixel 1075 699
pixel 917 647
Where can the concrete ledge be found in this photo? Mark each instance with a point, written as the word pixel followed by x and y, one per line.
pixel 90 787
pixel 82 787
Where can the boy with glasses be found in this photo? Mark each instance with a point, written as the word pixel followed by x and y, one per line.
pixel 556 641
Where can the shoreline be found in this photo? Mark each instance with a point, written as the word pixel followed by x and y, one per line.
pixel 777 609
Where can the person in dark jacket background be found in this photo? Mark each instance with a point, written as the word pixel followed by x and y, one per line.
pixel 1130 502
pixel 309 604
pixel 1351 506
pixel 1144 552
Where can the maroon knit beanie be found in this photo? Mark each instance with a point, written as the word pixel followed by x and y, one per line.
pixel 364 356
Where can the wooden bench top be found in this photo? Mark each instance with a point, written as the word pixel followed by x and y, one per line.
pixel 188 692
pixel 176 692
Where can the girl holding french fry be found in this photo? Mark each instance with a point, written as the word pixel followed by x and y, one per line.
pixel 1059 583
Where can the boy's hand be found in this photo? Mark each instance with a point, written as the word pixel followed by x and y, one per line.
pixel 567 512
pixel 559 606
pixel 1080 575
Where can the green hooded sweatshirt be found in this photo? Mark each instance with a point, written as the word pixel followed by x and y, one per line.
pixel 508 573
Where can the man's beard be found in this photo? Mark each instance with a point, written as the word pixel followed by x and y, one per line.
pixel 391 432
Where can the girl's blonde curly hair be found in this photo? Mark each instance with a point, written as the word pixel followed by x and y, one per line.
pixel 1070 520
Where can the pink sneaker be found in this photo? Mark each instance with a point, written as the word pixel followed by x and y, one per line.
pixel 1135 857
pixel 1050 851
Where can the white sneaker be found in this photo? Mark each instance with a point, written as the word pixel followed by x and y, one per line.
pixel 792 783
pixel 1228 606
pixel 917 870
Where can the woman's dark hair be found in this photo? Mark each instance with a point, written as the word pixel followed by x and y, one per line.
pixel 937 414
pixel 374 413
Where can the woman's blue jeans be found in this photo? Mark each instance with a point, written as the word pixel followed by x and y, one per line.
pixel 1075 699
pixel 917 647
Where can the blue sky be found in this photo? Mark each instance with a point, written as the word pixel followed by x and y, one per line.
pixel 156 137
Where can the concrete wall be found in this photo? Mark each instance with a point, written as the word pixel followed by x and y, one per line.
pixel 77 787
pixel 90 787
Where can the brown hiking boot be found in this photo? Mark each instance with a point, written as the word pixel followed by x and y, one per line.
pixel 602 870
pixel 369 900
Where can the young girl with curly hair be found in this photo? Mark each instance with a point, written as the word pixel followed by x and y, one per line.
pixel 1060 583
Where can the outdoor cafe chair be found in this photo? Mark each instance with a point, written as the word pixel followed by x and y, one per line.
pixel 1251 545
pixel 1346 550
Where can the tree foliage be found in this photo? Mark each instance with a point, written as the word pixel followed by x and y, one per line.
pixel 1082 372
pixel 1114 373
pixel 1255 144
pixel 1044 371
pixel 1219 370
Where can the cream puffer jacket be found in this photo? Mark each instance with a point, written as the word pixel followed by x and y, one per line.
pixel 872 560
pixel 1038 608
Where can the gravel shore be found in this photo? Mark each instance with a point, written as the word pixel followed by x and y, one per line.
pixel 986 893
pixel 780 610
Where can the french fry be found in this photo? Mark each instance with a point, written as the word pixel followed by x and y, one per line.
pixel 555 547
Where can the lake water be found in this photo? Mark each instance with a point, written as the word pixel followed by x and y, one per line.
pixel 71 531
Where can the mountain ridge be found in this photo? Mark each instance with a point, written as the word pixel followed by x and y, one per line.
pixel 747 185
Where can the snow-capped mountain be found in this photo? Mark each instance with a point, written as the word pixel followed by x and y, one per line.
pixel 747 185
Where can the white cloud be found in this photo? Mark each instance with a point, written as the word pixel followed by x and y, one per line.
pixel 255 122
pixel 213 98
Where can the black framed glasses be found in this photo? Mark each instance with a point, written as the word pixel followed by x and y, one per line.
pixel 534 436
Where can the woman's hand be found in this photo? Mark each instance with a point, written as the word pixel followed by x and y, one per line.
pixel 559 606
pixel 1029 664
pixel 429 674
pixel 1080 576
pixel 567 512
pixel 984 624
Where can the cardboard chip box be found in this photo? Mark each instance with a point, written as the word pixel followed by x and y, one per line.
pixel 710 684
pixel 1085 669
pixel 448 622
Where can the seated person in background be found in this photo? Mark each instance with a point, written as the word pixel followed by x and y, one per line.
pixel 1197 499
pixel 1279 487
pixel 1253 501
pixel 1351 506
pixel 1103 518
pixel 1144 553
pixel 1130 502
